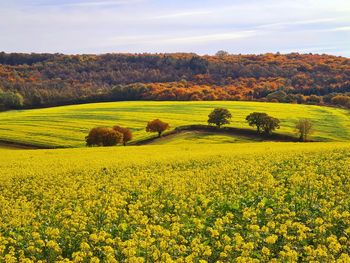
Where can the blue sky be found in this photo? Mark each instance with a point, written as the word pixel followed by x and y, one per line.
pixel 203 27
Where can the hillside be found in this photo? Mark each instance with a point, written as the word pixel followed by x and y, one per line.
pixel 67 126
pixel 56 79
pixel 209 203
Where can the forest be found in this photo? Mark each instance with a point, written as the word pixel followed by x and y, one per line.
pixel 43 80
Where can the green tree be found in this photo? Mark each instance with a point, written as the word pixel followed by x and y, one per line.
pixel 270 124
pixel 303 128
pixel 263 122
pixel 11 100
pixel 256 119
pixel 219 117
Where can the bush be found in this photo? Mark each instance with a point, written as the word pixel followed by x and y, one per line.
pixel 101 136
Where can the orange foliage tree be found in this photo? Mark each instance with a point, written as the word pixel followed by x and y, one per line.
pixel 157 126
pixel 127 133
pixel 101 136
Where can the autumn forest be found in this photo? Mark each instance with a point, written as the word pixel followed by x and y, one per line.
pixel 41 80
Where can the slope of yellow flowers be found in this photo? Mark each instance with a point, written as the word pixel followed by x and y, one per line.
pixel 266 202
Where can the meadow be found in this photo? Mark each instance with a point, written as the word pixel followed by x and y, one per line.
pixel 67 126
pixel 251 202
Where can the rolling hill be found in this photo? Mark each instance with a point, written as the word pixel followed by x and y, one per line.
pixel 67 126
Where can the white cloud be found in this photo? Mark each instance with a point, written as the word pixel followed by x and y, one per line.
pixel 184 39
pixel 94 3
pixel 342 28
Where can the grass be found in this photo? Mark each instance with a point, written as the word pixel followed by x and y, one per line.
pixel 67 126
pixel 247 202
pixel 197 137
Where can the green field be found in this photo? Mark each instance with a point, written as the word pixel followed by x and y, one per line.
pixel 67 126
pixel 197 137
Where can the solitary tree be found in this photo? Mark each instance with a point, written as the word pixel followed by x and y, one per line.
pixel 101 136
pixel 127 134
pixel 222 53
pixel 303 128
pixel 270 124
pixel 157 126
pixel 256 119
pixel 219 117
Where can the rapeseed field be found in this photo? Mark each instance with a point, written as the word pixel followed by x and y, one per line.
pixel 253 202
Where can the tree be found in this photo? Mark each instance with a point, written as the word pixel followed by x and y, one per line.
pixel 219 117
pixel 313 99
pixel 303 128
pixel 157 126
pixel 263 122
pixel 127 134
pixel 270 124
pixel 101 136
pixel 342 100
pixel 278 95
pixel 256 119
pixel 11 100
pixel 222 53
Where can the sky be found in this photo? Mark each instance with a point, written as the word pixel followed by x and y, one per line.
pixel 154 26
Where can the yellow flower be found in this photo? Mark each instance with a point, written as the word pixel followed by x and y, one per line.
pixel 52 244
pixel 265 251
pixel 271 239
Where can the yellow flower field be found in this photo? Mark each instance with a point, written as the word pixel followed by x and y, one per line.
pixel 254 202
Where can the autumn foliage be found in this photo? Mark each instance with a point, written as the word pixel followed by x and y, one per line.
pixel 56 79
pixel 101 136
pixel 157 126
pixel 127 133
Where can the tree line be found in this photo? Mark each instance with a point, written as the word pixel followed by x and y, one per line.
pixel 40 80
pixel 104 136
pixel 262 121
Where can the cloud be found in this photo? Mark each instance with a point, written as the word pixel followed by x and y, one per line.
pixel 342 28
pixel 250 26
pixel 183 14
pixel 93 3
pixel 184 39
pixel 300 22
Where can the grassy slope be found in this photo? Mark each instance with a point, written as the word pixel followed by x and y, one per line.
pixel 68 125
pixel 197 137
